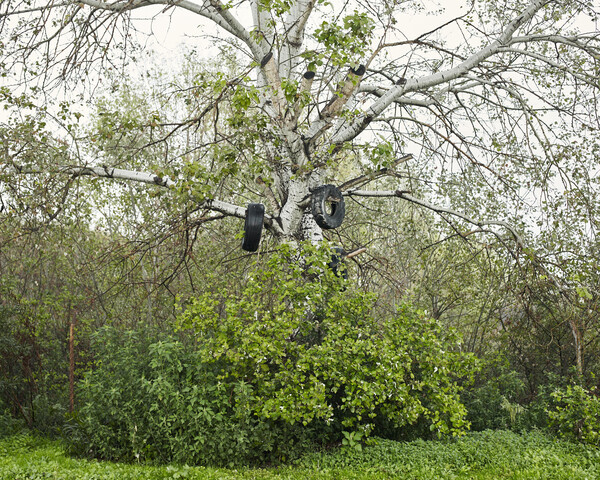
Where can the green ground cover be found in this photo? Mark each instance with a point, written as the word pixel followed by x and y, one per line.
pixel 486 455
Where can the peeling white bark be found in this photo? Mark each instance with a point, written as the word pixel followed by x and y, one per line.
pixel 271 73
pixel 309 230
pixel 291 214
pixel 295 25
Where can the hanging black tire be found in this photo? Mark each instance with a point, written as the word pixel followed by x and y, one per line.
pixel 255 214
pixel 337 263
pixel 328 207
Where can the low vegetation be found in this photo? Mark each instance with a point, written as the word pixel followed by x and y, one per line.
pixel 477 456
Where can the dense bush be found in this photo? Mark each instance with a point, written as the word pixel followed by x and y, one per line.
pixel 314 351
pixel 294 358
pixel 575 414
pixel 155 400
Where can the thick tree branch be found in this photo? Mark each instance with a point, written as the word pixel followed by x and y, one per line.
pixel 295 23
pixel 336 104
pixel 297 18
pixel 264 25
pixel 296 110
pixel 350 85
pixel 103 171
pixel 424 83
pixel 271 73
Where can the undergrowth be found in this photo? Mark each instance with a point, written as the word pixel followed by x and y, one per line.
pixel 478 456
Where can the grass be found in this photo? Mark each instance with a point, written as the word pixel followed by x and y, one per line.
pixel 478 456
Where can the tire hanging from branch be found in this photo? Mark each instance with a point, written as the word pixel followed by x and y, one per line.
pixel 328 207
pixel 255 214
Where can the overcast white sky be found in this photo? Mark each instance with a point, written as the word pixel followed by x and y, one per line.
pixel 181 28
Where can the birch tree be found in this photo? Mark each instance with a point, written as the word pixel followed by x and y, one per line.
pixel 482 118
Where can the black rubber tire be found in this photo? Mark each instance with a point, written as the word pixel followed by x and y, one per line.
pixel 253 225
pixel 320 200
pixel 337 263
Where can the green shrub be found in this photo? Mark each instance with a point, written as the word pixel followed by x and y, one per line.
pixel 576 414
pixel 537 410
pixel 315 354
pixel 293 360
pixel 154 400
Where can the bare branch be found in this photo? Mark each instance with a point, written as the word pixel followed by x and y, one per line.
pixel 591 80
pixel 212 9
pixel 363 179
pixel 574 41
pixel 380 92
pixel 36 9
pixel 435 208
pixel 119 6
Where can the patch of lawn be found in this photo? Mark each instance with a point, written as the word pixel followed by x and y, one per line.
pixel 484 455
pixel 478 456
